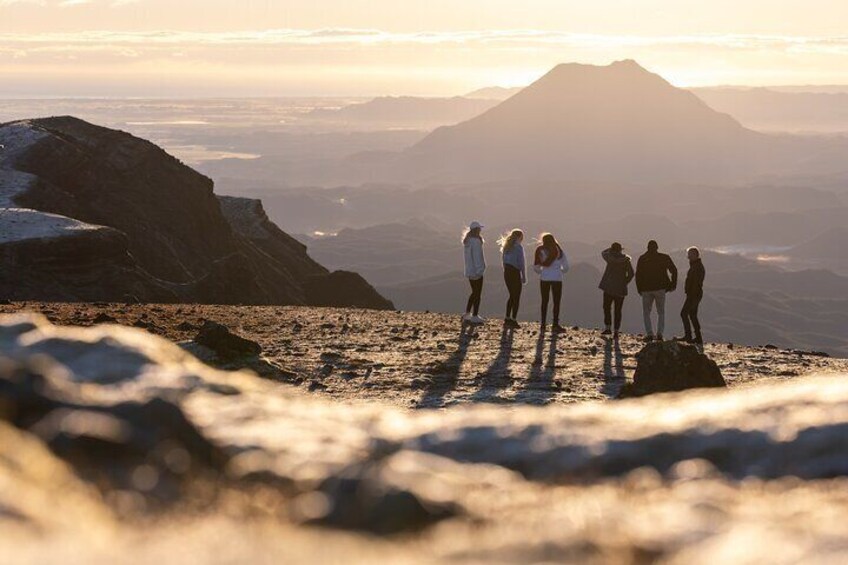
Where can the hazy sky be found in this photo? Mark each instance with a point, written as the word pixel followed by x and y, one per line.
pixel 364 47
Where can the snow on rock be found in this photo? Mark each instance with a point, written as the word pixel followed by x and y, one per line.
pixel 23 224
pixel 16 138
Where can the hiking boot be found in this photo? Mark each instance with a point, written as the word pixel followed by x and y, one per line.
pixel 649 338
pixel 557 328
pixel 685 338
pixel 478 320
pixel 659 337
pixel 606 332
pixel 698 340
pixel 615 335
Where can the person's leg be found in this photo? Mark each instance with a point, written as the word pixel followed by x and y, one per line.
pixel 508 282
pixel 693 314
pixel 685 313
pixel 545 288
pixel 557 290
pixel 660 299
pixel 608 300
pixel 516 295
pixel 478 293
pixel 470 304
pixel 647 304
pixel 619 304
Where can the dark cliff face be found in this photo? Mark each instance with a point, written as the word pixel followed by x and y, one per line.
pixel 267 247
pixel 167 210
pixel 155 231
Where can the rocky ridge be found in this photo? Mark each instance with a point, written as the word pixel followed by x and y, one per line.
pixel 90 213
pixel 240 463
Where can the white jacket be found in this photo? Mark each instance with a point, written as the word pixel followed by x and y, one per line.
pixel 554 271
pixel 475 262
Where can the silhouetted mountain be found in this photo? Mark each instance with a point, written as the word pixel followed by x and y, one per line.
pixel 91 213
pixel 409 110
pixel 619 122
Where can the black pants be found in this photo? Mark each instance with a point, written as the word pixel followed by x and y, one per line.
pixel 512 278
pixel 473 306
pixel 609 301
pixel 689 313
pixel 547 288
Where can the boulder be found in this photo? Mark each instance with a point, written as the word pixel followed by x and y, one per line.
pixel 226 345
pixel 671 366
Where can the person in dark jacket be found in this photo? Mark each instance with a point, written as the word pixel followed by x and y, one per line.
pixel 617 275
pixel 653 282
pixel 694 293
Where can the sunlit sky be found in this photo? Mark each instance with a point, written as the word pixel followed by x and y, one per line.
pixel 431 47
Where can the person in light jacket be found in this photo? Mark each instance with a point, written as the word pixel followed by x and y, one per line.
pixel 617 275
pixel 550 262
pixel 475 267
pixel 515 273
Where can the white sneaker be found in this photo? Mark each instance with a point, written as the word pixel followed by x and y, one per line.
pixel 466 317
pixel 478 320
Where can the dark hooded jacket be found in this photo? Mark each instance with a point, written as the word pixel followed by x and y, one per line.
pixel 618 273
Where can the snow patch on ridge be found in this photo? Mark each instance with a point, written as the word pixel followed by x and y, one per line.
pixel 21 224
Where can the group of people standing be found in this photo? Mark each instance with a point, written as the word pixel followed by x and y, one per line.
pixel 655 274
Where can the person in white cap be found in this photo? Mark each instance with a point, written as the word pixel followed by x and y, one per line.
pixel 475 267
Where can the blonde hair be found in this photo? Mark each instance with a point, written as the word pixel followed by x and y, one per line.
pixel 508 240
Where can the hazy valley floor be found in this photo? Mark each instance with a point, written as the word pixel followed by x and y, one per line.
pixel 422 360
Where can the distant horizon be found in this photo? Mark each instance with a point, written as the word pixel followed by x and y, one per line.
pixel 821 88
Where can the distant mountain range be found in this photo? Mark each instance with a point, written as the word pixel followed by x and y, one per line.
pixel 494 92
pixel 90 213
pixel 408 111
pixel 767 109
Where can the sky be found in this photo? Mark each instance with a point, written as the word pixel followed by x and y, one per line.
pixel 203 48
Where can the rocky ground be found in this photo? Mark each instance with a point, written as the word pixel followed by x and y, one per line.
pixel 119 446
pixel 419 360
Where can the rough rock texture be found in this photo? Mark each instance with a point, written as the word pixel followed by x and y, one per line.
pixel 671 366
pixel 743 476
pixel 318 286
pixel 97 214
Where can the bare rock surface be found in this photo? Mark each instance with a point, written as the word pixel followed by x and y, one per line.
pixel 747 475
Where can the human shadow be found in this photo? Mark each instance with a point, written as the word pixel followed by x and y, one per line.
pixel 442 376
pixel 497 375
pixel 614 375
pixel 539 387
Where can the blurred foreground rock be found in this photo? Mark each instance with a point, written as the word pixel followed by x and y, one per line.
pixel 249 467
